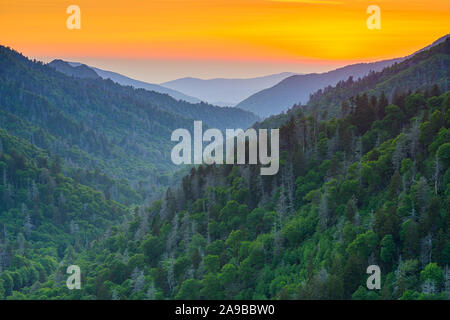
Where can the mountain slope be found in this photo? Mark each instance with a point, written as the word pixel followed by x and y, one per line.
pixel 224 92
pixel 297 89
pixel 435 43
pixel 418 72
pixel 370 188
pixel 96 123
pixel 83 71
pixel 350 193
pixel 342 201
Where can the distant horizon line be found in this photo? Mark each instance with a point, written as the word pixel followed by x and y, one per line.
pixel 181 78
pixel 344 63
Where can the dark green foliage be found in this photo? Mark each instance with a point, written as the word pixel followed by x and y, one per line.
pixel 307 236
pixel 100 126
pixel 373 187
pixel 45 218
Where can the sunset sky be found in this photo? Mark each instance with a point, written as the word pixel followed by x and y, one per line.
pixel 160 40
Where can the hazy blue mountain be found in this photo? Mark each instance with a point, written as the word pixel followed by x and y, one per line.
pixel 83 71
pixel 224 92
pixel 298 88
pixel 78 71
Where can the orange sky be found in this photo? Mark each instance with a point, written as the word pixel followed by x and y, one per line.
pixel 158 40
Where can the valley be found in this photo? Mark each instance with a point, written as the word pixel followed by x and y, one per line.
pixel 86 179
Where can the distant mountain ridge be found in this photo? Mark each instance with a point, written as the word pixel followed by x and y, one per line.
pixel 297 89
pixel 222 91
pixel 80 70
pixel 420 71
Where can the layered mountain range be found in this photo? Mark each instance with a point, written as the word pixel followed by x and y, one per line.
pixel 298 88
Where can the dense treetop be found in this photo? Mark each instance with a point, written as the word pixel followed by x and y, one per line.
pixel 369 186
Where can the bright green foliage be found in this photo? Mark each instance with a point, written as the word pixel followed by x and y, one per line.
pixel 372 188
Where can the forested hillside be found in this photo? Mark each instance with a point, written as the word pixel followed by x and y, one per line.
pixel 83 71
pixel 98 124
pixel 420 71
pixel 223 91
pixel 46 218
pixel 369 186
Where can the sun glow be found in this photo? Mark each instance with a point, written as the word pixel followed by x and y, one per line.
pixel 270 31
